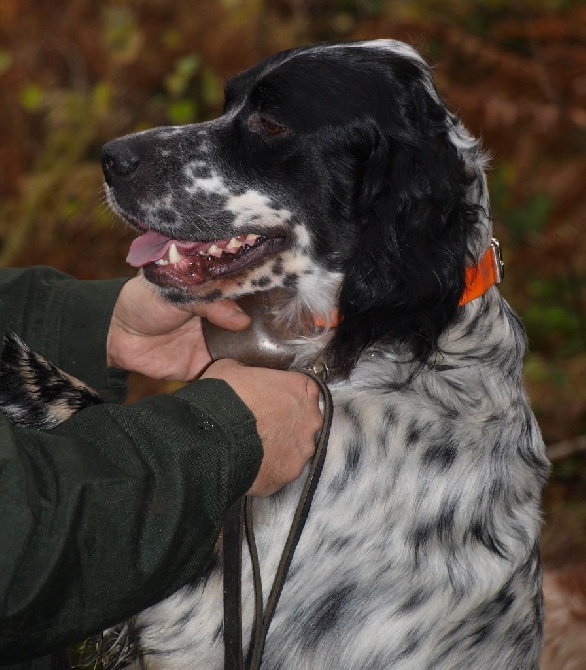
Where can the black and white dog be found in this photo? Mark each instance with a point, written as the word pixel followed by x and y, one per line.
pixel 337 173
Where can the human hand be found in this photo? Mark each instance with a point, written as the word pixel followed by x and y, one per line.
pixel 285 405
pixel 161 340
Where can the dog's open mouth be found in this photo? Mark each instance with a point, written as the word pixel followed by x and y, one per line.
pixel 177 262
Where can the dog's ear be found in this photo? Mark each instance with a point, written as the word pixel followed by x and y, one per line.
pixel 405 279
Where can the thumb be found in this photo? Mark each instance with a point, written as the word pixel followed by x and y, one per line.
pixel 225 314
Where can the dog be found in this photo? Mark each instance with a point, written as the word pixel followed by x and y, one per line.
pixel 337 176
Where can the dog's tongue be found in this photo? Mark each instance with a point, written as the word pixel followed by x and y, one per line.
pixel 147 248
pixel 151 247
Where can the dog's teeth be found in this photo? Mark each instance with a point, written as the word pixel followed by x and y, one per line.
pixel 162 261
pixel 174 255
pixel 233 245
pixel 214 251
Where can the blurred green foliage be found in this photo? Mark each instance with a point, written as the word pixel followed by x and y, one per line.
pixel 553 316
pixel 521 220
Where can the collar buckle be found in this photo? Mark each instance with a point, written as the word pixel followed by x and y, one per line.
pixel 497 260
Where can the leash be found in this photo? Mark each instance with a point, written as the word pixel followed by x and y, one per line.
pixel 239 520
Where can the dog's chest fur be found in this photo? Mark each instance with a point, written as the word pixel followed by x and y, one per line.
pixel 420 548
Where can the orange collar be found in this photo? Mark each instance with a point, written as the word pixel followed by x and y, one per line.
pixel 489 271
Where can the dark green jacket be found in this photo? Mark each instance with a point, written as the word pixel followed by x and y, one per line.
pixel 120 506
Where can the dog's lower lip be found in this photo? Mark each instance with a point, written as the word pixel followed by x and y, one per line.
pixel 197 270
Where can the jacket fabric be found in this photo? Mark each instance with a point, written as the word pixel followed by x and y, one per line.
pixel 118 507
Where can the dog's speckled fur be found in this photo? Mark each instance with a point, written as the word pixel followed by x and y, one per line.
pixel 421 548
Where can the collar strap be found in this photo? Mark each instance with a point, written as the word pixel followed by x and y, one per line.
pixel 333 322
pixel 489 271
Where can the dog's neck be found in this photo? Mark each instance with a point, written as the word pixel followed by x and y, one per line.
pixel 274 341
pixel 271 340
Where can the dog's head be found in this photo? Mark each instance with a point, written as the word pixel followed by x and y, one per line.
pixel 335 171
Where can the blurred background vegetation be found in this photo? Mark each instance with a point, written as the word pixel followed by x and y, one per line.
pixel 76 73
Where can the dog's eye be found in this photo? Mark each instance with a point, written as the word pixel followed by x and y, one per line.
pixel 270 127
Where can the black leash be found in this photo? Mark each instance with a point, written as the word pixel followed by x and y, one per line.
pixel 240 515
pixel 232 541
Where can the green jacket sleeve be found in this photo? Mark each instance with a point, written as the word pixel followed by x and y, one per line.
pixel 116 508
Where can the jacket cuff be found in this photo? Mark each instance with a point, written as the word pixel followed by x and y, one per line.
pixel 219 402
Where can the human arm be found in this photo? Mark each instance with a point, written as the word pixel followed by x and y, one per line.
pixel 120 506
pixel 70 321
pixel 81 502
pixel 114 510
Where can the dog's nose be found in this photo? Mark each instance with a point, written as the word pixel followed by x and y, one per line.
pixel 118 160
